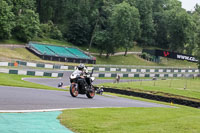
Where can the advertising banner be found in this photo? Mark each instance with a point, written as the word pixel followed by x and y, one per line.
pixel 172 55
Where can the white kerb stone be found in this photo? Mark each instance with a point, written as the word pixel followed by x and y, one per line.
pixel 123 69
pixel 4 70
pixel 108 75
pixel 101 69
pixel 113 69
pixel 64 67
pixel 133 70
pixel 48 66
pixel 3 63
pixel 152 70
pixel 22 72
pixel 39 73
pixel 31 64
pixel 54 75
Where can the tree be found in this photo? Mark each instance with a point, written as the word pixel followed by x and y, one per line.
pixel 27 25
pixel 26 20
pixel 78 27
pixel 160 23
pixel 50 30
pixel 172 4
pixel 179 25
pixel 6 20
pixel 174 26
pixel 46 9
pixel 79 30
pixel 146 19
pixel 102 40
pixel 196 18
pixel 103 35
pixel 125 23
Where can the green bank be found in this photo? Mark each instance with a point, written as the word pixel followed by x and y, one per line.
pixel 176 86
pixel 132 120
pixel 16 80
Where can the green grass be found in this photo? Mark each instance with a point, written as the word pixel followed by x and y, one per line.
pixel 132 120
pixel 135 48
pixel 177 63
pixel 17 53
pixel 16 80
pixel 53 42
pixel 9 54
pixel 136 60
pixel 163 87
pixel 124 60
pixel 11 41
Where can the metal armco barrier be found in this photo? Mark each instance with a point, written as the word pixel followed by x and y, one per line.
pixel 32 73
pixel 123 72
pixel 158 75
pixel 169 99
pixel 107 69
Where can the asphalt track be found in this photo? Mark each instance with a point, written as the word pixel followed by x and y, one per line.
pixel 17 99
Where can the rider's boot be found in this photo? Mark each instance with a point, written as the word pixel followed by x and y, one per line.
pixel 88 88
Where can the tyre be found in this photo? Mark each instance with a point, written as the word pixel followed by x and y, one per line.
pixel 92 93
pixel 73 90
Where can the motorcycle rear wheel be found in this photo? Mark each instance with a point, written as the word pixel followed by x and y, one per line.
pixel 91 94
pixel 73 90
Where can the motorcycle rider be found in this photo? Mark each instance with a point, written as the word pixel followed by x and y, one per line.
pixel 83 71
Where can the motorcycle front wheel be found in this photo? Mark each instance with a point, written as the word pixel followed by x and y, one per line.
pixel 73 90
pixel 91 94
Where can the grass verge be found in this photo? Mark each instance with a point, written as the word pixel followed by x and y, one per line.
pixel 11 41
pixel 124 60
pixel 16 80
pixel 129 120
pixel 13 54
pixel 178 87
pixel 137 61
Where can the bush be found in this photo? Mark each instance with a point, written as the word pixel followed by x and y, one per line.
pixel 50 30
pixel 6 20
pixel 27 25
pixel 56 33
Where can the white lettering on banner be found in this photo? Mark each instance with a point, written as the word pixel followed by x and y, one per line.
pixel 183 57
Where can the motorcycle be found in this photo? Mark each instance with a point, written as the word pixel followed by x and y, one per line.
pixel 82 84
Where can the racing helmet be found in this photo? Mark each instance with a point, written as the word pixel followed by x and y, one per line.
pixel 81 67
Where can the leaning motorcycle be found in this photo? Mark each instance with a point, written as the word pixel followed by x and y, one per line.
pixel 80 85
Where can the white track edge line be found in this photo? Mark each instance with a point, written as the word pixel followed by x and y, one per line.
pixel 45 110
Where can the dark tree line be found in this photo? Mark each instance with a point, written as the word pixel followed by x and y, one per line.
pixel 104 24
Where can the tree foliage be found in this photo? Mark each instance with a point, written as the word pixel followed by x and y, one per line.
pixel 6 20
pixel 104 24
pixel 196 43
pixel 125 24
pixel 146 18
pixel 178 26
pixel 27 25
